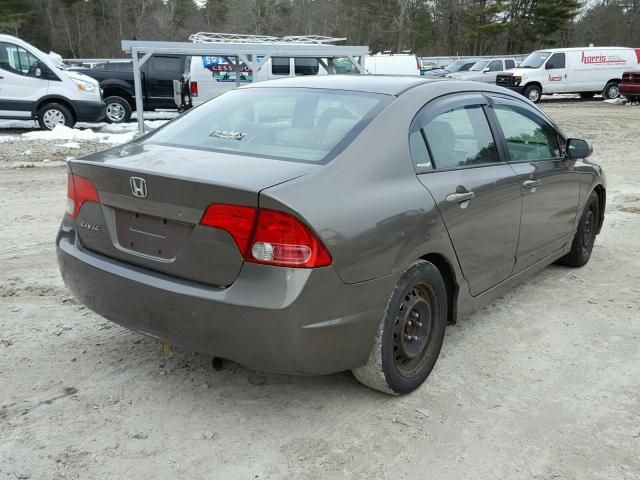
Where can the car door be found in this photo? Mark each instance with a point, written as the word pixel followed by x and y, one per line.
pixel 494 67
pixel 159 77
pixel 549 183
pixel 20 86
pixel 556 73
pixel 478 195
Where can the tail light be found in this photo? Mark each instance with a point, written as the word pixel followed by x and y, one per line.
pixel 79 190
pixel 193 88
pixel 268 236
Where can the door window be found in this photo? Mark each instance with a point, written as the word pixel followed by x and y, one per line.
pixel 280 66
pixel 17 60
pixel 419 152
pixel 306 66
pixel 461 138
pixel 166 64
pixel 557 60
pixel 495 66
pixel 510 64
pixel 528 136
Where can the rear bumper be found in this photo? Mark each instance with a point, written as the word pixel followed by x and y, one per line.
pixel 286 320
pixel 629 89
pixel 87 111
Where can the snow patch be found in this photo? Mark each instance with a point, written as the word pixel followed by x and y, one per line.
pixel 74 135
pixel 616 101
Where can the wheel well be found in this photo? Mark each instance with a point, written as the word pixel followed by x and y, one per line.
pixel 537 84
pixel 448 275
pixel 602 203
pixel 60 101
pixel 119 92
pixel 612 80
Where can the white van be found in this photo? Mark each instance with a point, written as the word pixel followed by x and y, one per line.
pixel 210 76
pixel 34 86
pixel 587 71
pixel 392 64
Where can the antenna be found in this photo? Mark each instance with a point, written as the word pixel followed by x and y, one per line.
pixel 212 37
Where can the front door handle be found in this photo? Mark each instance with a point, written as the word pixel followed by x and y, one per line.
pixel 461 199
pixel 531 184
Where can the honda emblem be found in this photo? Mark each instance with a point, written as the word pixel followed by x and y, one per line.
pixel 138 187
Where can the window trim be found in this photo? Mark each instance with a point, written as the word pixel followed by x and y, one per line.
pixel 16 72
pixel 493 100
pixel 440 105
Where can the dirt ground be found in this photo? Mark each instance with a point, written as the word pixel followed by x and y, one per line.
pixel 542 384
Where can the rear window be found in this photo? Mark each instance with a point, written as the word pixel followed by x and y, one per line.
pixel 309 125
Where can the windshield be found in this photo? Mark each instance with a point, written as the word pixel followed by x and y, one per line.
pixel 479 66
pixel 456 66
pixel 535 60
pixel 309 125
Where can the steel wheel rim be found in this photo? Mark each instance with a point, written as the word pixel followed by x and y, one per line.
pixel 115 112
pixel 53 117
pixel 534 95
pixel 613 92
pixel 588 236
pixel 413 330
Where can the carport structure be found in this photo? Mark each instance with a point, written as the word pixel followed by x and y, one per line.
pixel 252 50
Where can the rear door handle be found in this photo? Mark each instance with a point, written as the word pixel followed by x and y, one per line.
pixel 532 184
pixel 460 197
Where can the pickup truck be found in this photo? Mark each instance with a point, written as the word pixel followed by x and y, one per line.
pixel 116 82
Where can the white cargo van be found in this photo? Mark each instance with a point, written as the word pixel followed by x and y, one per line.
pixel 34 86
pixel 392 64
pixel 587 71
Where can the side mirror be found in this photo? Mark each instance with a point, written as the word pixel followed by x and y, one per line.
pixel 577 148
pixel 38 72
pixel 485 70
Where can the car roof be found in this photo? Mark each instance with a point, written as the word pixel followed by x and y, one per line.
pixel 382 84
pixel 579 49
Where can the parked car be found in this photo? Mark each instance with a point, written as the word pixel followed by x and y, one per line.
pixel 630 85
pixel 485 70
pixel 116 80
pixel 587 71
pixel 34 87
pixel 460 65
pixel 320 224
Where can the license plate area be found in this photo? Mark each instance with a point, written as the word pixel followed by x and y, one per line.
pixel 150 235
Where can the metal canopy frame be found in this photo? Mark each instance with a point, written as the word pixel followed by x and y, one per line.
pixel 247 52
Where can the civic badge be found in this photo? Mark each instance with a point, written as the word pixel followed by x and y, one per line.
pixel 138 187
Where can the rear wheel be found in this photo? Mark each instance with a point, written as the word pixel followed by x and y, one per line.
pixel 611 91
pixel 117 110
pixel 587 95
pixel 533 93
pixel 410 335
pixel 53 114
pixel 585 237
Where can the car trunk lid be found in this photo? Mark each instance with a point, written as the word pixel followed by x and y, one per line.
pixel 152 199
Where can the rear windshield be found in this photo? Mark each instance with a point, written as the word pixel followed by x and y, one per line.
pixel 309 125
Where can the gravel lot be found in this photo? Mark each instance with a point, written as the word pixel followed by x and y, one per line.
pixel 542 384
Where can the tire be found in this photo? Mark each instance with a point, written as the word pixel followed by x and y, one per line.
pixel 587 95
pixel 396 364
pixel 117 110
pixel 585 236
pixel 611 91
pixel 52 114
pixel 533 93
